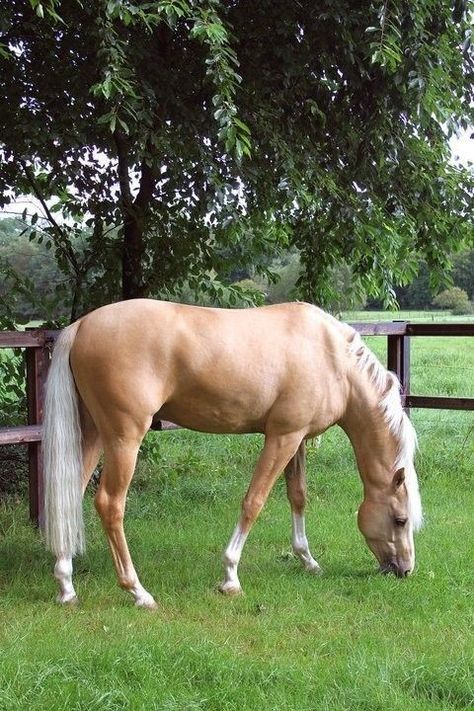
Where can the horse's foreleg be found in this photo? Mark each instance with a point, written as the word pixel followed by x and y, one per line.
pixel 119 465
pixel 276 454
pixel 295 475
pixel 91 448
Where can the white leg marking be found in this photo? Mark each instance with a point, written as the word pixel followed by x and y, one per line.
pixel 63 574
pixel 300 544
pixel 231 558
pixel 142 597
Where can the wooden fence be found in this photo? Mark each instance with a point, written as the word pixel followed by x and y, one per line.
pixel 38 345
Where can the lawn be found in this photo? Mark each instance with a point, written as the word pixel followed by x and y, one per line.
pixel 407 315
pixel 349 639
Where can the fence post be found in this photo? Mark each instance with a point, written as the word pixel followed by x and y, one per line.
pixel 398 361
pixel 37 363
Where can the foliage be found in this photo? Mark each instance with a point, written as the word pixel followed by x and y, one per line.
pixel 348 290
pixel 258 296
pixel 125 114
pixel 454 298
pixel 13 408
pixel 463 272
pixel 463 309
pixel 33 286
pixel 418 294
pixel 200 135
pixel 286 271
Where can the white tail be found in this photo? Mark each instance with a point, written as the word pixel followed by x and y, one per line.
pixel 62 447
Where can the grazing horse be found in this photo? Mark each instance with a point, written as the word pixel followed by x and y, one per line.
pixel 289 371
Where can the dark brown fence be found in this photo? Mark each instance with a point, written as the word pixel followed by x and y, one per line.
pixel 38 345
pixel 398 357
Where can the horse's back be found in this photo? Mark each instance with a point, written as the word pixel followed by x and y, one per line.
pixel 206 368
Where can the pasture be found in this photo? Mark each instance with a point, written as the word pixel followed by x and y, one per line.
pixel 348 639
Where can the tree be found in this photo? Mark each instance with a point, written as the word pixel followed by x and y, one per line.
pixel 417 294
pixel 32 286
pixel 103 134
pixel 211 132
pixel 463 273
pixel 454 298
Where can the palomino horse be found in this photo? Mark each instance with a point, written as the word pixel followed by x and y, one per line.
pixel 288 371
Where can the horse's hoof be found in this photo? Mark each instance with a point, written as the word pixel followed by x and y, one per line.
pixel 146 603
pixel 68 601
pixel 313 568
pixel 230 589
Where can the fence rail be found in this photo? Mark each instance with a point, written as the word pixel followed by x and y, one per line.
pixel 38 344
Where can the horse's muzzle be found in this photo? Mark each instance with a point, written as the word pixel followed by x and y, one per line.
pixel 391 566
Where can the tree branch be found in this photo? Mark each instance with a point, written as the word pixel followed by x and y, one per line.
pixel 62 240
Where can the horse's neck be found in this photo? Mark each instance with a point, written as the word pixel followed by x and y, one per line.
pixel 375 447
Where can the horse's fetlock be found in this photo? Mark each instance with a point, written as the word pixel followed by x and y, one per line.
pixel 127 583
pixel 300 549
pixel 229 559
pixel 62 568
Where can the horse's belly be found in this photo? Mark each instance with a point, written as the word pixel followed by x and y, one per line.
pixel 214 417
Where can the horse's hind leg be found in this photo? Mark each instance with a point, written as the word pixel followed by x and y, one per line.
pixel 91 448
pixel 277 452
pixel 120 457
pixel 295 475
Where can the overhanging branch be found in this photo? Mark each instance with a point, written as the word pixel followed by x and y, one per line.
pixel 60 239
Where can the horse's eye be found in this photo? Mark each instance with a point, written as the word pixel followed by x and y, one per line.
pixel 400 521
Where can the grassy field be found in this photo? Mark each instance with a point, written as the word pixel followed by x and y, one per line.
pixel 349 639
pixel 404 315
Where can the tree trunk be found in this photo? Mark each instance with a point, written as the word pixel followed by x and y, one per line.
pixel 133 286
pixel 135 213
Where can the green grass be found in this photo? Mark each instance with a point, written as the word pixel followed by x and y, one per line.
pixel 406 315
pixel 349 639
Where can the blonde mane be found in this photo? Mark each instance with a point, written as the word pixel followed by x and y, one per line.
pixel 387 386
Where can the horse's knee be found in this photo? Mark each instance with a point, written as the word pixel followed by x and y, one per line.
pixel 251 507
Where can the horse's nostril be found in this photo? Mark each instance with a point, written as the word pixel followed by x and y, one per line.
pixel 406 573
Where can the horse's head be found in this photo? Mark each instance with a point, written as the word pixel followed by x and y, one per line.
pixel 384 522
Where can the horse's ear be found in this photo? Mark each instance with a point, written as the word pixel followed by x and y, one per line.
pixel 398 478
